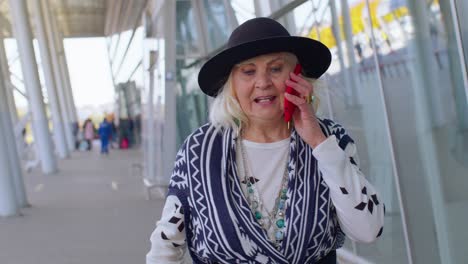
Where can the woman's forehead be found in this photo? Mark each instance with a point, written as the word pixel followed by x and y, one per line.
pixel 270 57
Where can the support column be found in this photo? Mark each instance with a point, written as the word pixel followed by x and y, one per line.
pixel 170 128
pixel 65 72
pixel 59 134
pixel 59 80
pixel 66 77
pixel 5 75
pixel 12 169
pixel 151 159
pixel 42 137
pixel 8 204
pixel 458 70
pixel 350 51
pixel 70 97
pixel 14 165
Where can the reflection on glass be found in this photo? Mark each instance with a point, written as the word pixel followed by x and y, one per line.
pixel 352 97
pixel 217 23
pixel 421 77
pixel 191 102
pixel 187 36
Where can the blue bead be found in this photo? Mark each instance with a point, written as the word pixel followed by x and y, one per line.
pixel 279 235
pixel 281 205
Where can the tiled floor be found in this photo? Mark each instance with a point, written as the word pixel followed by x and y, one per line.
pixel 92 211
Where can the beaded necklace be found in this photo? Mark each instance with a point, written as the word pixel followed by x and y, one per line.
pixel 276 217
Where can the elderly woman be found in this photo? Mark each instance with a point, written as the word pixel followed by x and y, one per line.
pixel 246 188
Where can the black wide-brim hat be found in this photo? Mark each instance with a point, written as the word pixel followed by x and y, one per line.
pixel 256 37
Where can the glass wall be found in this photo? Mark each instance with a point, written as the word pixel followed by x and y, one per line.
pixel 350 95
pixel 397 84
pixel 427 100
pixel 196 19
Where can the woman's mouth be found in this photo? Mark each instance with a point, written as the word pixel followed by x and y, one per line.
pixel 264 99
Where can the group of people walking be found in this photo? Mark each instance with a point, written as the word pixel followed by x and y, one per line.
pixel 105 133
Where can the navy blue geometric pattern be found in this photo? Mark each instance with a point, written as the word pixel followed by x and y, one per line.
pixel 219 224
pixel 370 201
pixel 343 190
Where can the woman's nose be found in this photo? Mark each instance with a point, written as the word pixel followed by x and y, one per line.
pixel 263 81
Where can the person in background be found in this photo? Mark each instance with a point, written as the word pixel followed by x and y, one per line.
pixel 114 133
pixel 105 132
pixel 89 130
pixel 76 131
pixel 248 188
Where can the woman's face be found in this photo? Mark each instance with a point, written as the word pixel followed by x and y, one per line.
pixel 259 85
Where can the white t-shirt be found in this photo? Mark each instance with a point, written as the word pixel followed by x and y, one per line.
pixel 266 163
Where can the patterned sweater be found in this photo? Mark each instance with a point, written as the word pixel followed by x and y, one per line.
pixel 207 213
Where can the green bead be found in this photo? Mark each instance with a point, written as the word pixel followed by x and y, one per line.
pixel 280 223
pixel 284 196
pixel 284 191
pixel 250 190
pixel 258 215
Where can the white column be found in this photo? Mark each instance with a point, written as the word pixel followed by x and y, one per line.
pixel 59 81
pixel 66 78
pixel 350 51
pixel 5 75
pixel 170 126
pixel 59 134
pixel 8 204
pixel 31 79
pixel 69 91
pixel 13 167
pixel 65 72
pixel 151 135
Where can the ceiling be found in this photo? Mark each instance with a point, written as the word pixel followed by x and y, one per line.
pixel 83 18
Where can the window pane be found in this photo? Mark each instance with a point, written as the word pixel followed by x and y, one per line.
pixel 217 23
pixel 187 34
pixel 351 96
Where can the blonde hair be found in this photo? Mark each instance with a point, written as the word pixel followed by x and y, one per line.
pixel 226 111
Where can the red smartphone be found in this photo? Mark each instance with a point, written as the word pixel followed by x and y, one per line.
pixel 288 106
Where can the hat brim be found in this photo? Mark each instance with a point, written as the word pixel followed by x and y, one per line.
pixel 314 57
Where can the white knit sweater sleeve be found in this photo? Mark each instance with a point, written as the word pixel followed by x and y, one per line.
pixel 359 207
pixel 168 239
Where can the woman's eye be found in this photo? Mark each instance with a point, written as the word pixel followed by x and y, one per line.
pixel 276 69
pixel 248 72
